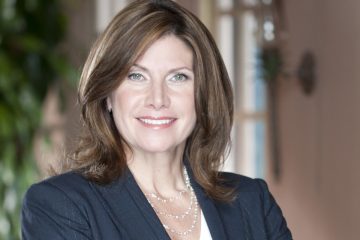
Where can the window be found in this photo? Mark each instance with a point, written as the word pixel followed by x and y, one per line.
pixel 236 33
pixel 106 10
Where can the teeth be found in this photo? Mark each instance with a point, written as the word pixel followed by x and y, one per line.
pixel 156 122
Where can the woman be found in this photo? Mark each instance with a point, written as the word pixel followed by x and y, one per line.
pixel 157 109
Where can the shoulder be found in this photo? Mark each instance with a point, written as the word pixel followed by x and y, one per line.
pixel 258 207
pixel 61 193
pixel 62 180
pixel 252 193
pixel 67 185
pixel 69 190
pixel 242 183
pixel 59 203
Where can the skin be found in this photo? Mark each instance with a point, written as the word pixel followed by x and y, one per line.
pixel 154 111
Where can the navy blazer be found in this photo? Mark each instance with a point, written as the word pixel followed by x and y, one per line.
pixel 70 207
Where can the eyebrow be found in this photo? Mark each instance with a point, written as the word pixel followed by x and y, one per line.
pixel 171 70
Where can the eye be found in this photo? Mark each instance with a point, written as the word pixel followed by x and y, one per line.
pixel 179 77
pixel 136 77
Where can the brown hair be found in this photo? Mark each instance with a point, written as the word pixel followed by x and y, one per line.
pixel 100 154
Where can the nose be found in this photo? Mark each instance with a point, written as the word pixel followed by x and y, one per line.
pixel 157 96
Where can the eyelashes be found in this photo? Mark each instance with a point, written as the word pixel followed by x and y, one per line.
pixel 179 77
pixel 176 78
pixel 136 77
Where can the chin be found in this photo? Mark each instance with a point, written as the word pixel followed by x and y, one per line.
pixel 160 147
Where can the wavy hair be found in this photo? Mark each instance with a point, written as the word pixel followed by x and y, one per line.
pixel 100 154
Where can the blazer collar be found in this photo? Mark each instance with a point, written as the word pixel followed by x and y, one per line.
pixel 130 210
pixel 208 207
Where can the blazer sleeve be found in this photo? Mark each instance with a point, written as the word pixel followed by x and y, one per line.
pixel 275 223
pixel 48 213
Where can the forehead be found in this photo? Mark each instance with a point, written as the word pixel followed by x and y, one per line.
pixel 167 50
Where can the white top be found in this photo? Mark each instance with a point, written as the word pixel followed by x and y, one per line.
pixel 204 229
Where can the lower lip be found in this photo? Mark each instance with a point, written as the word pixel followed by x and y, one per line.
pixel 157 126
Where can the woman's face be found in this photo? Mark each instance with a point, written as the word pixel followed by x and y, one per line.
pixel 153 108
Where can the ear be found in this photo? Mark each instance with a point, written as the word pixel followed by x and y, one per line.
pixel 108 104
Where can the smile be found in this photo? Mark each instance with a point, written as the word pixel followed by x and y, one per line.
pixel 157 122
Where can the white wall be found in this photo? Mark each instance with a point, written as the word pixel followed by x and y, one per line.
pixel 320 134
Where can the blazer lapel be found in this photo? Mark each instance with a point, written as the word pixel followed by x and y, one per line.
pixel 131 213
pixel 208 208
pixel 146 209
pixel 129 209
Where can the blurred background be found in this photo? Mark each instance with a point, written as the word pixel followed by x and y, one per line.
pixel 296 76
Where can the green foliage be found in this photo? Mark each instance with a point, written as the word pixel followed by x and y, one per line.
pixel 271 64
pixel 30 31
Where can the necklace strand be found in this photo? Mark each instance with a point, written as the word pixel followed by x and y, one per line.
pixel 166 200
pixel 176 216
pixel 193 202
pixel 190 229
pixel 172 199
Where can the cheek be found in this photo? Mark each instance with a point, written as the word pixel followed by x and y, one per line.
pixel 191 109
pixel 121 106
pixel 191 101
pixel 188 103
pixel 122 101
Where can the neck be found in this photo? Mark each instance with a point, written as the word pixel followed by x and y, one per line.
pixel 161 173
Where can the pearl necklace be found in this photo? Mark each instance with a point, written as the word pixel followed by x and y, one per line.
pixel 166 200
pixel 192 208
pixel 176 216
